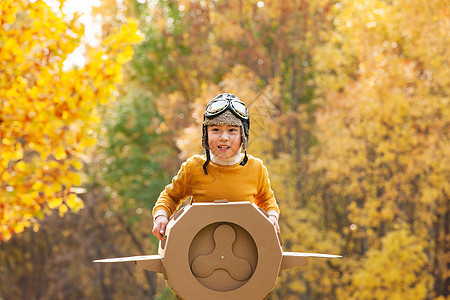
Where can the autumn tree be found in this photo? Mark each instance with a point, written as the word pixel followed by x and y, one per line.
pixel 56 262
pixel 48 110
pixel 382 158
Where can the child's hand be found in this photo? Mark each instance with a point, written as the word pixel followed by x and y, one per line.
pixel 159 226
pixel 274 221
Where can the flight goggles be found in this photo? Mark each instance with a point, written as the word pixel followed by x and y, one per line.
pixel 219 105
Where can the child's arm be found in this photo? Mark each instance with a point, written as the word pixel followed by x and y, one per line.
pixel 169 200
pixel 175 192
pixel 265 197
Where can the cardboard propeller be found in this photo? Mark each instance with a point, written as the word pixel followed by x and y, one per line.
pixel 220 250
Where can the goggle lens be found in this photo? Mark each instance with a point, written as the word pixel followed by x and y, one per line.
pixel 217 106
pixel 240 108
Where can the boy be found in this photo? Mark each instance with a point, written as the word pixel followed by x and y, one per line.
pixel 225 173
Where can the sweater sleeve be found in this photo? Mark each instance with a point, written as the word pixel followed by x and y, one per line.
pixel 175 192
pixel 265 197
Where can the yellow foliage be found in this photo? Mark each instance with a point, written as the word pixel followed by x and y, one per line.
pixel 74 203
pixel 395 271
pixel 382 149
pixel 48 114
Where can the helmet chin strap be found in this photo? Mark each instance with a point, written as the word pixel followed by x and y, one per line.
pixel 244 161
pixel 208 159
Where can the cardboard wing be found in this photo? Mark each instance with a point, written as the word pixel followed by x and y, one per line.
pixel 145 262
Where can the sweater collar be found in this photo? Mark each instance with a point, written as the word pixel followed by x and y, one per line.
pixel 227 161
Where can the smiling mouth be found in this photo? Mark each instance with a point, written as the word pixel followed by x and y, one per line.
pixel 223 147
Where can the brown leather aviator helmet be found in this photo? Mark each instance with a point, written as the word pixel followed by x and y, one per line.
pixel 226 109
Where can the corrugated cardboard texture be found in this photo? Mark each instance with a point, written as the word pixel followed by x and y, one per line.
pixel 233 252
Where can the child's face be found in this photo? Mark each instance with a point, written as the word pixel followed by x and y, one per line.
pixel 224 140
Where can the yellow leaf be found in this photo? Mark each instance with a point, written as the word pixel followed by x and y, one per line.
pixel 21 166
pixel 74 203
pixel 51 189
pixel 7 141
pixel 27 199
pixel 6 175
pixel 6 234
pixel 37 185
pixel 34 92
pixel 62 210
pixel 54 203
pixel 18 154
pixel 60 153
pixel 77 165
pixel 75 178
pixel 19 228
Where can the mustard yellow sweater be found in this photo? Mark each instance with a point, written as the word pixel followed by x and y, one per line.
pixel 234 183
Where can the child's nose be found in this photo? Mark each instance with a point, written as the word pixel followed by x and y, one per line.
pixel 224 136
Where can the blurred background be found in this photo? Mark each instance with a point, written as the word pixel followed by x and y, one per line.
pixel 101 101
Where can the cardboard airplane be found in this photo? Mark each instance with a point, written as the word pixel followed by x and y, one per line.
pixel 220 250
